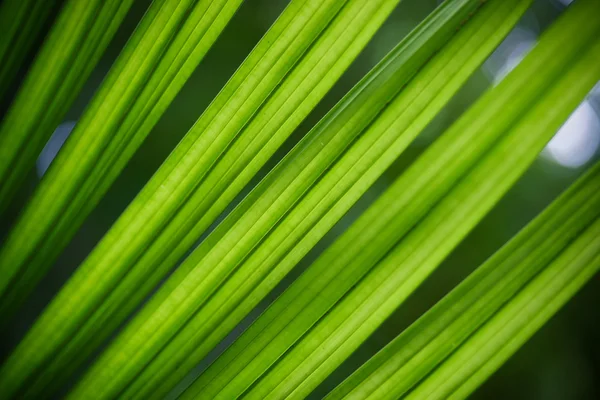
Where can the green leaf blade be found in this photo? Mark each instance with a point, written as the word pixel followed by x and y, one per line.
pixel 310 286
pixel 417 351
pixel 317 211
pixel 170 41
pixel 516 322
pixel 71 50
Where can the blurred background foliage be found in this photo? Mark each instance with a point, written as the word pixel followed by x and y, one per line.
pixel 562 361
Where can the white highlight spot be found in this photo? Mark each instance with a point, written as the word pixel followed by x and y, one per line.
pixel 509 54
pixel 577 141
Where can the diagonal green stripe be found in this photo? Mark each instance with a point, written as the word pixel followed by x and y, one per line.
pixel 425 344
pixel 316 291
pixel 473 362
pixel 70 52
pixel 320 207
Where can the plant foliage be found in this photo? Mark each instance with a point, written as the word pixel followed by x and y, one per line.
pixel 560 239
pixel 197 297
pixel 370 269
pixel 71 50
pixel 168 44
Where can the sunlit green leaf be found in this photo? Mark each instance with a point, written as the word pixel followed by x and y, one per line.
pixel 257 111
pixel 256 272
pixel 414 354
pixel 341 299
pixel 472 363
pixel 166 47
pixel 70 52
pixel 374 93
pixel 147 313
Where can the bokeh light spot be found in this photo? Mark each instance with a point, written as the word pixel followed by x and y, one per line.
pixel 577 141
pixel 56 141
pixel 509 54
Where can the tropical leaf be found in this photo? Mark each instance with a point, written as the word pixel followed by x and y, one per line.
pixel 515 323
pixel 280 53
pixel 71 50
pixel 158 380
pixel 168 44
pixel 316 209
pixel 340 300
pixel 146 314
pixel 408 361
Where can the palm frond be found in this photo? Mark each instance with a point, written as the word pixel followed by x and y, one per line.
pixel 359 280
pixel 168 44
pixel 218 230
pixel 404 367
pixel 310 45
pixel 22 22
pixel 71 50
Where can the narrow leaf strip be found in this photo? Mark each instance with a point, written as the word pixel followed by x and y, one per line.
pixel 169 43
pixel 21 22
pixel 416 352
pixel 214 263
pixel 322 134
pixel 341 267
pixel 280 50
pixel 323 204
pixel 376 296
pixel 379 293
pixel 479 357
pixel 74 45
